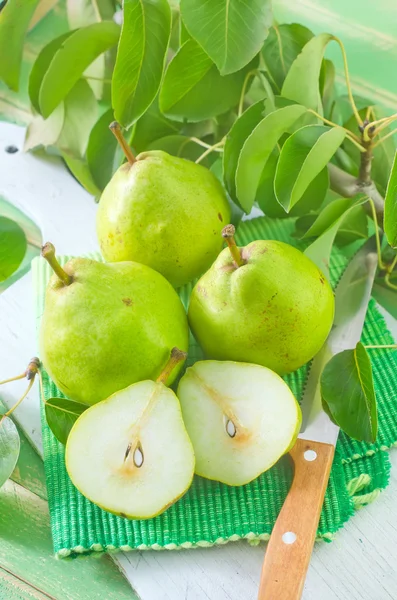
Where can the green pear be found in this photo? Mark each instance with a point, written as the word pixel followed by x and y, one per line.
pixel 106 326
pixel 266 303
pixel 241 418
pixel 131 454
pixel 162 211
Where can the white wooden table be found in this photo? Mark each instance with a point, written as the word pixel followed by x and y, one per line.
pixel 359 565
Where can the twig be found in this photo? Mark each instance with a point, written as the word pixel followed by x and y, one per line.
pixel 250 74
pixel 348 85
pixel 384 138
pixel 378 246
pixel 209 150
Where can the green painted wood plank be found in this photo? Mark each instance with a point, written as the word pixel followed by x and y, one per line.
pixel 26 552
pixel 13 588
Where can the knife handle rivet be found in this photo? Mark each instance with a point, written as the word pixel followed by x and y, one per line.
pixel 289 537
pixel 310 455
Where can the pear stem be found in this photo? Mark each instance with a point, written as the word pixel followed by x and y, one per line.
pixel 175 358
pixel 30 374
pixel 116 130
pixel 228 234
pixel 48 252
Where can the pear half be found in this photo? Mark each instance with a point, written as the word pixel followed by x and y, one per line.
pixel 131 454
pixel 241 418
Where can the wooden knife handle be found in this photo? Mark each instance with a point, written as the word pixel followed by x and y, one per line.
pixel 290 546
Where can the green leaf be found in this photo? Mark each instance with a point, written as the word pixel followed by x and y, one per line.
pixel 9 448
pixel 61 415
pixel 311 199
pixel 101 151
pixel 40 67
pixel 327 86
pixel 235 139
pixel 231 32
pixel 257 149
pixel 140 58
pixel 80 170
pixel 303 156
pixel 194 90
pixel 15 17
pixel 281 48
pixel 44 132
pixel 76 53
pixel 302 81
pixel 390 219
pixel 81 111
pixel 354 227
pixel 386 297
pixel 12 247
pixel 151 126
pixel 347 388
pixel 326 227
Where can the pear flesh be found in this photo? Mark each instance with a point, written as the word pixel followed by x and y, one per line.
pixel 276 309
pixel 112 325
pixel 241 418
pixel 165 212
pixel 130 454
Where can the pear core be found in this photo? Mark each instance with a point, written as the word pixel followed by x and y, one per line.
pixel 274 310
pixel 164 212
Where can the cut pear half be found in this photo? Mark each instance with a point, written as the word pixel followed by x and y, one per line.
pixel 131 454
pixel 240 417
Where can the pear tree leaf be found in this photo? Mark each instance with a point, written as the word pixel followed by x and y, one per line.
pixel 151 126
pixel 347 389
pixel 311 199
pixel 13 246
pixel 353 227
pixel 73 57
pixel 81 111
pixel 15 17
pixel 231 32
pixel 44 132
pixel 283 44
pixel 303 156
pixel 386 297
pixel 81 171
pixel 257 149
pixel 10 445
pixel 193 88
pixel 61 415
pixel 40 67
pixel 140 58
pixel 327 86
pixel 302 81
pixel 326 228
pixel 235 139
pixel 390 218
pixel 102 159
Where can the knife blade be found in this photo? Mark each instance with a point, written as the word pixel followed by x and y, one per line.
pixel 351 301
pixel 292 539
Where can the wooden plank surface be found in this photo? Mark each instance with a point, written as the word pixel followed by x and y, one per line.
pixel 26 556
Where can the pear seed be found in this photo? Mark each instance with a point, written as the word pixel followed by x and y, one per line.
pixel 230 428
pixel 138 457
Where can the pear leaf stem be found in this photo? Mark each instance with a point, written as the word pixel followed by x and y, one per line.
pixel 116 130
pixel 30 374
pixel 175 358
pixel 48 252
pixel 228 235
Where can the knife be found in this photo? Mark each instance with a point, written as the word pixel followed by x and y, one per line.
pixel 291 543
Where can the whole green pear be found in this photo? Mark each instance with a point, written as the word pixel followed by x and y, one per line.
pixel 162 211
pixel 106 326
pixel 266 303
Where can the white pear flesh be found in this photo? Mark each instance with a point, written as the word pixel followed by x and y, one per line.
pixel 240 417
pixel 131 454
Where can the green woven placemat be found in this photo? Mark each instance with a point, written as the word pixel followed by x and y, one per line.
pixel 211 512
